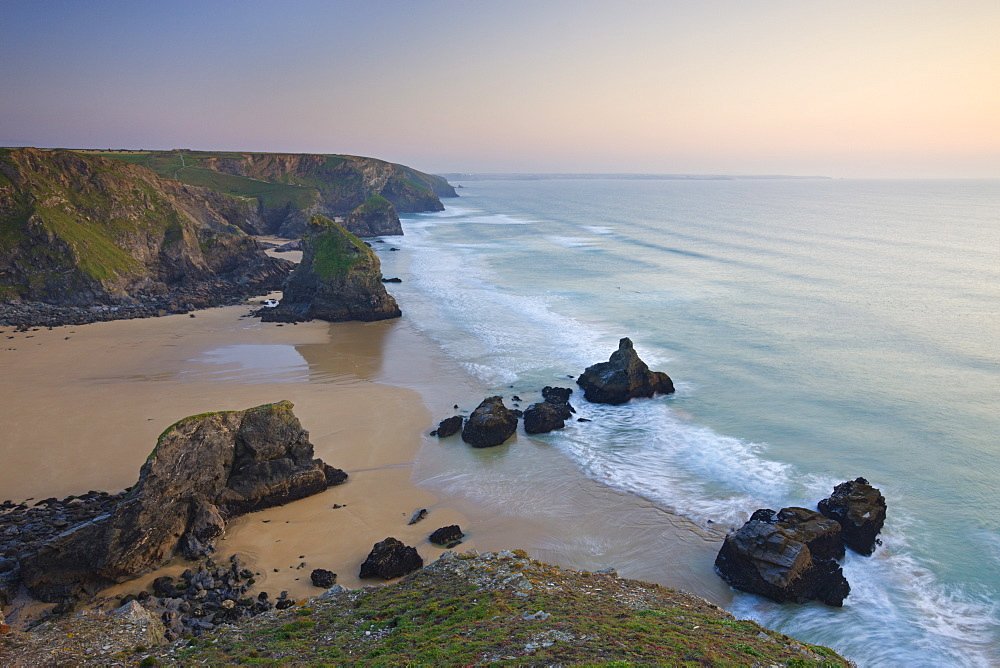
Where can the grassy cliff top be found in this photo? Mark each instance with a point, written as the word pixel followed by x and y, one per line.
pixel 500 609
pixel 276 179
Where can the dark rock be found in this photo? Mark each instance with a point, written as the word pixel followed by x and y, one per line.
pixel 490 424
pixel 449 536
pixel 543 417
pixel 860 510
pixel 392 280
pixel 557 395
pixel 550 414
pixel 376 216
pixel 767 558
pixel 390 559
pixel 338 279
pixel 323 578
pixel 449 426
pixel 203 469
pixel 284 604
pixel 164 587
pixel 418 515
pixel 622 378
pixel 821 535
pixel 334 476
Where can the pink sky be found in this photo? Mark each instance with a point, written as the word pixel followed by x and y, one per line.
pixel 884 89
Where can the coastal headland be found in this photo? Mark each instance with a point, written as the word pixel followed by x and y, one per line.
pixel 86 404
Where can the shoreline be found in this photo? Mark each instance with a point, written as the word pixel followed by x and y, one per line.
pixel 368 393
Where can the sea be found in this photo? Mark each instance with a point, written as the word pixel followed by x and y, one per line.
pixel 817 330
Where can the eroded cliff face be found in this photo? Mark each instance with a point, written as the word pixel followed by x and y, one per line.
pixel 342 184
pixel 339 279
pixel 81 229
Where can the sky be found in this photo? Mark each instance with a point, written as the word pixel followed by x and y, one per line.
pixel 897 89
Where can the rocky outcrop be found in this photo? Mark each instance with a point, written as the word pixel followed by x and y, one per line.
pixel 373 218
pixel 83 230
pixel 820 534
pixel 338 279
pixel 769 555
pixel 449 536
pixel 490 424
pixel 287 189
pixel 860 509
pixel 390 559
pixel 550 414
pixel 543 417
pixel 449 426
pixel 622 378
pixel 204 470
pixel 791 555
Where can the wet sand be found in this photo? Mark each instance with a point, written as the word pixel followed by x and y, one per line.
pixel 83 412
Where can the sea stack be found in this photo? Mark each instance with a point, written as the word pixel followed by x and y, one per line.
pixel 375 217
pixel 339 279
pixel 622 378
pixel 204 470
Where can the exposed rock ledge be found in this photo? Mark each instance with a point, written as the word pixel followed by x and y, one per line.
pixel 204 470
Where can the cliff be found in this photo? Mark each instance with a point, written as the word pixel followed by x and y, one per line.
pixel 339 279
pixel 82 229
pixel 289 188
pixel 463 609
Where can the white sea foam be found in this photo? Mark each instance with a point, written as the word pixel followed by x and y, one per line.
pixel 572 242
pixel 899 611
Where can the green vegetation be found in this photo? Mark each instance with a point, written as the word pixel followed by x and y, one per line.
pixel 270 195
pixel 374 203
pixel 96 254
pixel 469 614
pixel 335 250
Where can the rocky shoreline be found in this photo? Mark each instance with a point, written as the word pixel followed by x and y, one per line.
pixel 26 314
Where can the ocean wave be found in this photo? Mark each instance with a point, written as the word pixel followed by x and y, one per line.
pixel 898 614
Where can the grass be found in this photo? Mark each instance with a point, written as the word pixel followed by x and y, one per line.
pixel 440 616
pixel 374 203
pixel 96 253
pixel 270 195
pixel 335 250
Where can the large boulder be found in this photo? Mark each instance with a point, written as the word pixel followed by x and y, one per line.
pixel 339 279
pixel 820 534
pixel 389 559
pixel 622 378
pixel 204 470
pixel 860 510
pixel 490 424
pixel 543 417
pixel 768 556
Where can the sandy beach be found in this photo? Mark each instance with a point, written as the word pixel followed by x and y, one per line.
pixel 85 404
